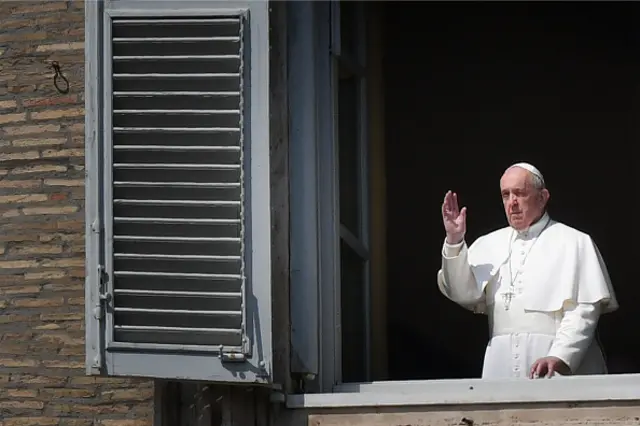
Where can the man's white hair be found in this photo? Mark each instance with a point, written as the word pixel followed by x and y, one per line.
pixel 536 176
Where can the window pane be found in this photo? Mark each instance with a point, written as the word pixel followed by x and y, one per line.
pixel 349 153
pixel 353 299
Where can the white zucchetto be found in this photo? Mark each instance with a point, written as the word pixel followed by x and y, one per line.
pixel 531 168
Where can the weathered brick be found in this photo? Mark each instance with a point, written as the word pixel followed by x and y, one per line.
pixel 47 168
pixel 61 339
pixel 72 351
pixel 64 182
pixel 58 196
pixel 17 264
pixel 11 213
pixel 38 303
pixel 15 362
pixel 30 421
pixel 52 153
pixel 68 393
pixel 38 7
pixel 30 129
pixel 127 394
pixel 14 349
pixel 48 275
pixel 11 319
pixel 61 317
pixel 42 230
pixel 76 301
pixel 28 289
pixel 135 422
pixel 38 142
pixel 60 46
pixel 58 114
pixel 22 393
pixel 76 128
pixel 49 210
pixel 30 198
pixel 38 381
pixel 8 104
pixel 51 326
pixel 77 141
pixel 31 405
pixel 75 422
pixel 41 102
pixel 20 184
pixel 29 155
pixel 36 249
pixel 66 286
pixel 10 36
pixel 63 263
pixel 64 364
pixel 11 118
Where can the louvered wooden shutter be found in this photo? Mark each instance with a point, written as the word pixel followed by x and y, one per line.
pixel 184 274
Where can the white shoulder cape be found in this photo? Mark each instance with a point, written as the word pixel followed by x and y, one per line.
pixel 564 265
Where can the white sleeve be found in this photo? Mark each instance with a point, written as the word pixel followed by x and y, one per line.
pixel 455 279
pixel 575 334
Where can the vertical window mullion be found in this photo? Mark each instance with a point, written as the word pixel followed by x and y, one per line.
pixel 353 314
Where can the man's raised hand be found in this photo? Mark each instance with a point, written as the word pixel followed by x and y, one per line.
pixel 454 218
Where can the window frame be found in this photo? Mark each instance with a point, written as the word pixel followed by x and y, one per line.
pixel 355 64
pixel 189 365
pixel 329 392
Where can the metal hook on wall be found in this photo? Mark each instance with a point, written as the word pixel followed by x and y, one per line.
pixel 57 76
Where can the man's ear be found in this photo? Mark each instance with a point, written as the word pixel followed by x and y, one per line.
pixel 545 195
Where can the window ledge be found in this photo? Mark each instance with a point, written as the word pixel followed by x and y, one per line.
pixel 474 391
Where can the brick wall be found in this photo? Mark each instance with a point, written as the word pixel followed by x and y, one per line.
pixel 42 379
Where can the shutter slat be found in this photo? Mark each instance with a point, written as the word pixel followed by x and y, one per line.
pixel 179 239
pixel 173 257
pixel 182 75
pixel 179 203
pixel 172 57
pixel 200 338
pixel 167 21
pixel 179 312
pixel 176 293
pixel 161 328
pixel 174 129
pixel 171 220
pixel 175 111
pixel 132 93
pixel 175 166
pixel 176 275
pixel 176 184
pixel 177 192
pixel 171 39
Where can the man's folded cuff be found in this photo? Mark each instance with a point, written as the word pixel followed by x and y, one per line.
pixel 452 250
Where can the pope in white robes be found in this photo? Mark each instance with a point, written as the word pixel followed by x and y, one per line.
pixel 543 284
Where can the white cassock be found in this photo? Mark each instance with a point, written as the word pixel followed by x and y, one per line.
pixel 543 290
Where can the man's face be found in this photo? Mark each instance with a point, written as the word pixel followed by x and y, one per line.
pixel 523 203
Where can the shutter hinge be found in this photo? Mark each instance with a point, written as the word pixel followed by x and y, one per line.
pixel 228 356
pixel 104 298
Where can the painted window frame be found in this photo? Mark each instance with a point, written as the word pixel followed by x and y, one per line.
pixel 325 389
pixel 356 64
